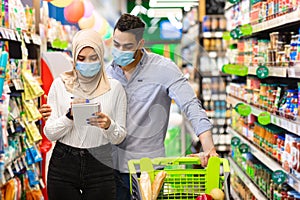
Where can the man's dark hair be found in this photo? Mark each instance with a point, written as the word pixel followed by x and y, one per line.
pixel 132 24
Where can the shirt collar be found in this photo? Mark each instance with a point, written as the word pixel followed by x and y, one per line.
pixel 141 63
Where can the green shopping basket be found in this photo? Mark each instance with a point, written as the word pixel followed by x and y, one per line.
pixel 184 183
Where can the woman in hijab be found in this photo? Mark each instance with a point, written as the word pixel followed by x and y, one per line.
pixel 81 163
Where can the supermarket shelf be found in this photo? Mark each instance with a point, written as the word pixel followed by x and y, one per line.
pixel 217 34
pixel 222 148
pixel 13 35
pixel 211 74
pixel 289 125
pixel 277 22
pixel 234 195
pixel 294 72
pixel 213 53
pixel 273 71
pixel 252 187
pixel 270 163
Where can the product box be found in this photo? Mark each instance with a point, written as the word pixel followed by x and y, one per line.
pixel 291 154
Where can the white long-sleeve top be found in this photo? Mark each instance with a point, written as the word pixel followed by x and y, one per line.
pixel 60 128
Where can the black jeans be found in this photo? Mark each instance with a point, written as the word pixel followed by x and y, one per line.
pixel 75 174
pixel 123 187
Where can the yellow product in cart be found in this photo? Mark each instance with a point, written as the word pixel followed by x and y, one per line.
pixel 182 182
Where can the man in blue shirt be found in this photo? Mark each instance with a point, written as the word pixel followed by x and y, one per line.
pixel 151 81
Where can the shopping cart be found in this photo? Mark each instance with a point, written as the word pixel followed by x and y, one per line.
pixel 182 182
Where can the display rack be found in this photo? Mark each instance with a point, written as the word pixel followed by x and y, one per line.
pixel 290 19
pixel 269 162
pixel 273 71
pixel 233 194
pixel 263 26
pixel 252 187
pixel 291 126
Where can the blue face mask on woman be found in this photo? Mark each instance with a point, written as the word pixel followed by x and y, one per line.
pixel 88 69
pixel 122 58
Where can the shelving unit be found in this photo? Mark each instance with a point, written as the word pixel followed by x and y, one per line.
pixel 257 49
pixel 269 162
pixel 217 34
pixel 286 19
pixel 291 126
pixel 252 187
pixel 234 195
pixel 274 71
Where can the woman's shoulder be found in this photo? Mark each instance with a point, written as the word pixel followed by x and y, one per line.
pixel 57 81
pixel 115 84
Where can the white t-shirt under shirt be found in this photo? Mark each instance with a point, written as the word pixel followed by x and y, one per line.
pixel 60 128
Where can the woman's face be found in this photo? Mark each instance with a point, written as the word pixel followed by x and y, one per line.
pixel 87 55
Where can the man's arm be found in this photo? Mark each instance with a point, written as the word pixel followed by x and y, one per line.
pixel 208 147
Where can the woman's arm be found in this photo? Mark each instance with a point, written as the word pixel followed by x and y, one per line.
pixel 57 125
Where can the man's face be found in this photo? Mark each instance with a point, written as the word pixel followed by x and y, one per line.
pixel 124 41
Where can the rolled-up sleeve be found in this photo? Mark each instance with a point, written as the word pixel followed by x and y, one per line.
pixel 184 96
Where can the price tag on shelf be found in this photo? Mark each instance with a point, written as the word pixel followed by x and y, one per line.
pixel 36 39
pixel 262 72
pixel 291 72
pixel 298 129
pixel 278 177
pixel 274 120
pixel 18 36
pixel 264 118
pixel 16 166
pixel 11 34
pixel 244 148
pixel 284 124
pixel 20 163
pixel 293 127
pixel 235 141
pixel 226 36
pixel 243 109
pixel 3 33
pixel 26 38
pixel 11 173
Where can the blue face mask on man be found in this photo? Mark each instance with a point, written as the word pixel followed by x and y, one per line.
pixel 88 69
pixel 122 58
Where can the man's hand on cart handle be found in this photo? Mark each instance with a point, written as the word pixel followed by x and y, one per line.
pixel 204 156
pixel 208 148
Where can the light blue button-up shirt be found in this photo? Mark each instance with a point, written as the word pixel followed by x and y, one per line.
pixel 154 83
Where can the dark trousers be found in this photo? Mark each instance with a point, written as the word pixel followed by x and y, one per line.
pixel 123 187
pixel 75 174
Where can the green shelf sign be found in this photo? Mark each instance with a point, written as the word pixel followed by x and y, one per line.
pixel 244 148
pixel 246 29
pixel 243 109
pixel 264 118
pixel 235 141
pixel 262 72
pixel 235 69
pixel 278 177
pixel 226 35
pixel 236 33
pixel 234 1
